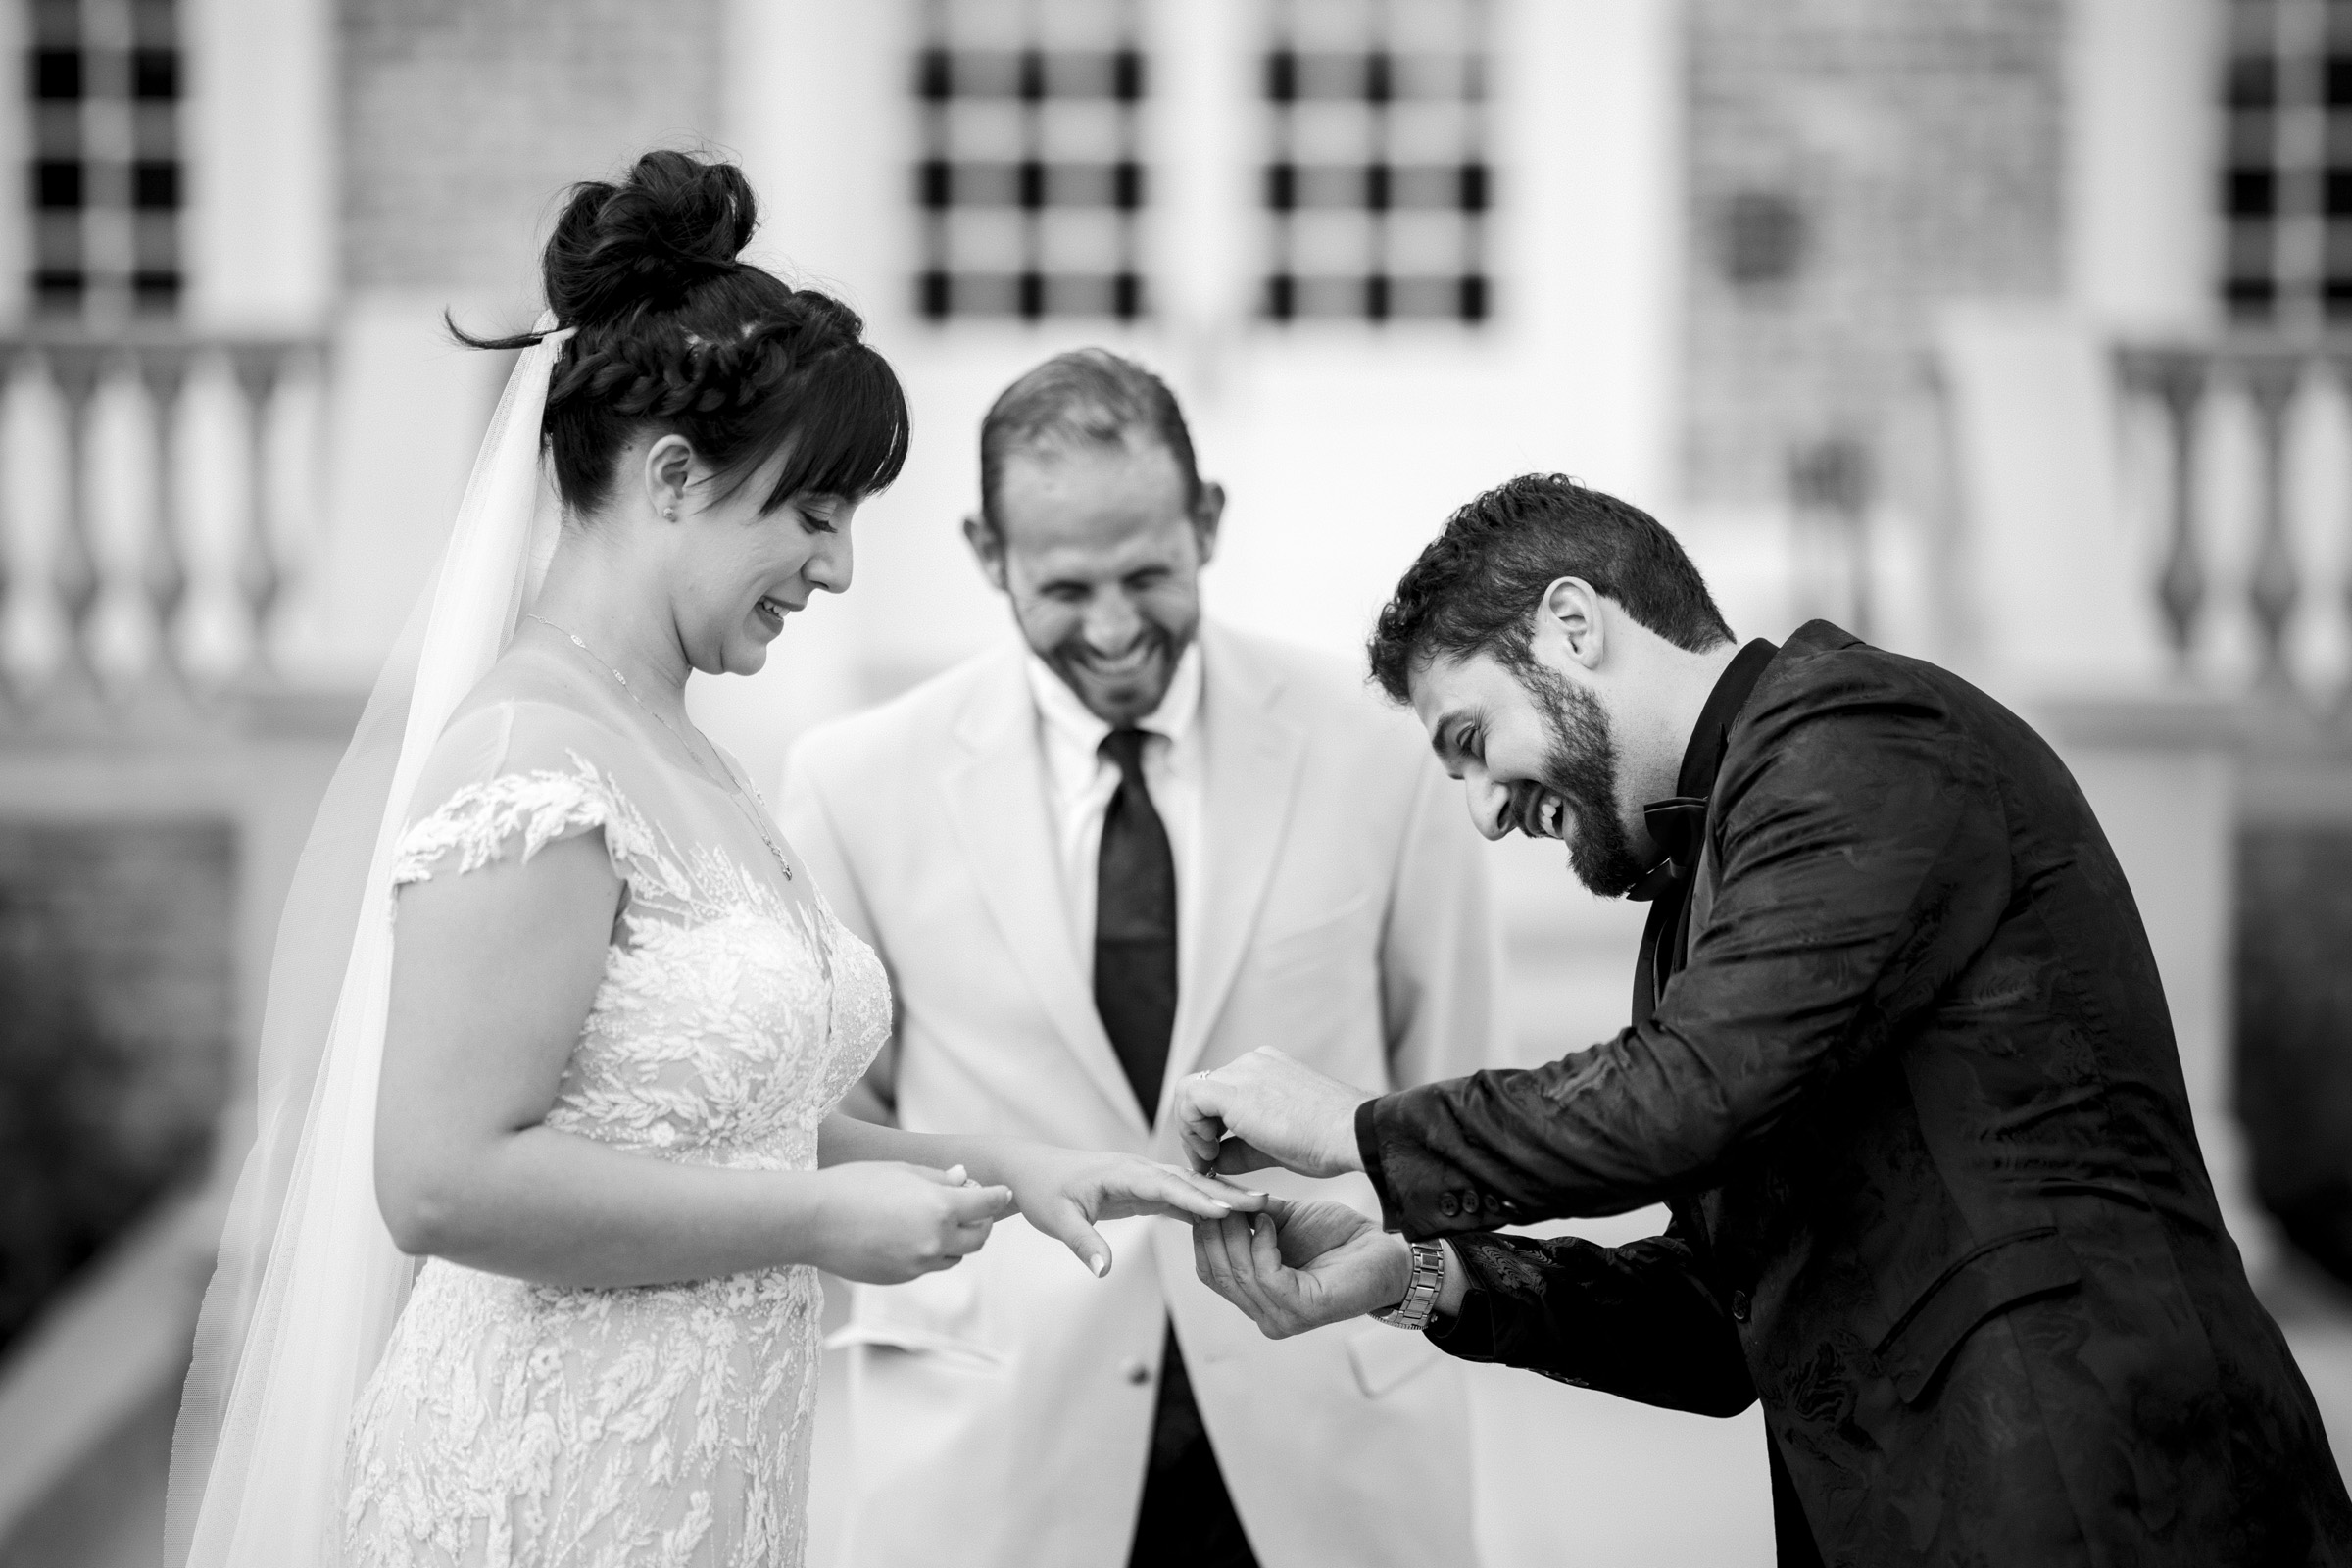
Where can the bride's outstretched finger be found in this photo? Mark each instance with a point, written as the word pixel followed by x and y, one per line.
pixel 1239 1200
pixel 1067 1223
pixel 1179 1194
pixel 1173 1192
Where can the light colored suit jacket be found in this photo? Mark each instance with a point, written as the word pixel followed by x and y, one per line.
pixel 1001 1409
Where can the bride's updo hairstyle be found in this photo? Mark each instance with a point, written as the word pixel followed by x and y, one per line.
pixel 677 335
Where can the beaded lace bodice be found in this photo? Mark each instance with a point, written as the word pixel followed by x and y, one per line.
pixel 513 1423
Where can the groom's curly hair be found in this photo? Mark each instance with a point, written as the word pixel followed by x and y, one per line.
pixel 1476 587
pixel 674 331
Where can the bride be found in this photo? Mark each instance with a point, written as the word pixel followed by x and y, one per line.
pixel 591 1085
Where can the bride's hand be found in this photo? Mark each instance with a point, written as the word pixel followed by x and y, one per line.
pixel 1065 1192
pixel 883 1223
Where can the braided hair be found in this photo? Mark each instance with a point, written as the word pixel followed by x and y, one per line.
pixel 677 335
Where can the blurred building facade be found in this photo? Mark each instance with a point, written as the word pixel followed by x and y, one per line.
pixel 2001 331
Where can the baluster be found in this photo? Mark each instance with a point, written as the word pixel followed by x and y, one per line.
pixel 2341 364
pixel 292 491
pixel 258 368
pixel 120 484
pixel 11 522
pixel 73 569
pixel 216 486
pixel 2271 587
pixel 2344 695
pixel 163 368
pixel 2175 379
pixel 36 637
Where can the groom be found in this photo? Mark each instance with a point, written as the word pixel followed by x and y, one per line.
pixel 1127 843
pixel 1900 1066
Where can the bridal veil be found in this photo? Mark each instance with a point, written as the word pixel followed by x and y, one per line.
pixel 308 1283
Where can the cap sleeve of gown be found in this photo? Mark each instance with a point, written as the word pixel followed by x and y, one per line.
pixel 515 778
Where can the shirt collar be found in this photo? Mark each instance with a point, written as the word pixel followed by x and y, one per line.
pixel 1711 736
pixel 1678 822
pixel 1071 726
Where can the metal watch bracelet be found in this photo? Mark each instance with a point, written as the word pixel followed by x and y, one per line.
pixel 1421 1294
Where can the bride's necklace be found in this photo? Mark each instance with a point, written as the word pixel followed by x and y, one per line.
pixel 734 790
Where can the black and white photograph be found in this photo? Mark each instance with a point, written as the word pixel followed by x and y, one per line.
pixel 1176 784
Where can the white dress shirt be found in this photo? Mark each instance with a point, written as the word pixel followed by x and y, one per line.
pixel 1080 782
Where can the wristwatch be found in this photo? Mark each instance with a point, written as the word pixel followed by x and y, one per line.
pixel 1421 1294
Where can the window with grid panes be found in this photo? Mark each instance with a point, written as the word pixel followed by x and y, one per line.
pixel 1377 183
pixel 1031 187
pixel 106 176
pixel 2287 181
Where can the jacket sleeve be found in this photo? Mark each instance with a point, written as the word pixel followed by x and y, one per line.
pixel 1638 1321
pixel 1441 965
pixel 808 821
pixel 1863 859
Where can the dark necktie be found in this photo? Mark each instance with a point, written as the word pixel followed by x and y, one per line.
pixel 1135 924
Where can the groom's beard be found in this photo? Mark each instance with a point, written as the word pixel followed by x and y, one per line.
pixel 1581 769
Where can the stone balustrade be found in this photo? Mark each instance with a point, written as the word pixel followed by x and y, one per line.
pixel 157 489
pixel 2251 506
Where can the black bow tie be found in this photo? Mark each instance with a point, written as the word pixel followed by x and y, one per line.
pixel 1678 825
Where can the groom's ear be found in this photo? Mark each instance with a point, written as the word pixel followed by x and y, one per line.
pixel 1569 627
pixel 988 548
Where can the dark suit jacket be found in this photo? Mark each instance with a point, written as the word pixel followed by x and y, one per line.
pixel 1914 1102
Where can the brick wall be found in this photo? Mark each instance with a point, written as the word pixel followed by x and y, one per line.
pixel 1852 165
pixel 463 120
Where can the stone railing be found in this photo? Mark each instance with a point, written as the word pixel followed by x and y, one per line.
pixel 2245 472
pixel 156 490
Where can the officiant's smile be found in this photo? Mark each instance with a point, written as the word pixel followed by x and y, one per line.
pixel 1099 547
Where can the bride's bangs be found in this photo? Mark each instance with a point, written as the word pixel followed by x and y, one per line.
pixel 845 428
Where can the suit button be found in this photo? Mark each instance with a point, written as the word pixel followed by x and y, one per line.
pixel 1448 1204
pixel 1493 1204
pixel 1740 1306
pixel 1135 1371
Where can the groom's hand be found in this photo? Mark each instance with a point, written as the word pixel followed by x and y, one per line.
pixel 1265 1109
pixel 1299 1266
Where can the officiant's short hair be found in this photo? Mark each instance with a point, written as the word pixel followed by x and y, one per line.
pixel 1476 586
pixel 1087 397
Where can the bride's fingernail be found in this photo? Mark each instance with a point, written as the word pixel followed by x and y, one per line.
pixel 1101 1266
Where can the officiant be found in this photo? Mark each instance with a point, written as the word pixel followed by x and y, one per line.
pixel 1900 1066
pixel 1127 844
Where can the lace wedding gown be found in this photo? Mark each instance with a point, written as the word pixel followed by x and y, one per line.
pixel 513 1423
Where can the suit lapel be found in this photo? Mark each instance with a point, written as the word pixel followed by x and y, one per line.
pixel 997 800
pixel 1251 777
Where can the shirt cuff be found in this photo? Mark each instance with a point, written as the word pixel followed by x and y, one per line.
pixel 1470 1332
pixel 1367 1150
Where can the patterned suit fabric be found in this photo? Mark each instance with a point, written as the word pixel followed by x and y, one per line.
pixel 1914 1102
